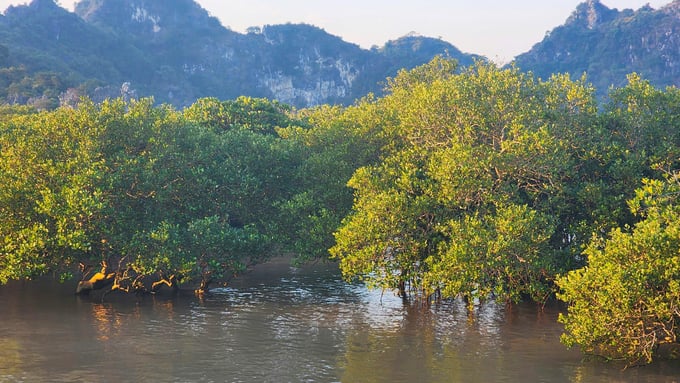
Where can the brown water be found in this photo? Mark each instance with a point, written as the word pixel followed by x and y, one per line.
pixel 282 324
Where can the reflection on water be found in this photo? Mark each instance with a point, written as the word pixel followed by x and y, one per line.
pixel 282 324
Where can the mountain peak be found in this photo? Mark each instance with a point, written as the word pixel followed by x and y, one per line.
pixel 175 51
pixel 591 13
pixel 608 44
pixel 42 7
pixel 43 4
pixel 145 17
pixel 672 8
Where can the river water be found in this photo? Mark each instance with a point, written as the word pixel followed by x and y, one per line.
pixel 284 324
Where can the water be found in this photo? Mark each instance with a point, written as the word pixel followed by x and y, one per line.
pixel 282 324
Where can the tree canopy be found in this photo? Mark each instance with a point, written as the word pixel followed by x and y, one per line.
pixel 142 187
pixel 473 195
pixel 626 303
pixel 479 182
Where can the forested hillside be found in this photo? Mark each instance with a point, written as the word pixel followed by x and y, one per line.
pixel 176 52
pixel 607 44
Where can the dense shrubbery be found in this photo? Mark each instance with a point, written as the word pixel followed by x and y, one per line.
pixel 474 195
pixel 480 182
pixel 626 303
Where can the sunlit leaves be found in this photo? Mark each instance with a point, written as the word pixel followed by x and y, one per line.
pixel 626 302
pixel 462 200
pixel 193 198
pixel 139 186
pixel 50 198
pixel 500 255
pixel 246 113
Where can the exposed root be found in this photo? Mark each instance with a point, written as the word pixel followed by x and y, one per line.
pixel 171 282
pixel 98 281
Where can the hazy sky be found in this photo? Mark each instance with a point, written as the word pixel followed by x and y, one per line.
pixel 497 29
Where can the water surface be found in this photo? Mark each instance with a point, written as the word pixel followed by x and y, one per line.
pixel 284 324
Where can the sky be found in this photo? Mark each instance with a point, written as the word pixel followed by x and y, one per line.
pixel 497 29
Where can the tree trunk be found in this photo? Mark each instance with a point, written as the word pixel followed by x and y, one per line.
pixel 98 281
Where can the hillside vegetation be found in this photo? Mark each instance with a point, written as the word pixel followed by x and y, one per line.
pixel 175 52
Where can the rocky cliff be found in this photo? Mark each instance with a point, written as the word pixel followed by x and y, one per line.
pixel 175 51
pixel 607 44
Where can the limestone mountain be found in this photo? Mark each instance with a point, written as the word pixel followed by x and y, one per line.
pixel 608 44
pixel 175 51
pixel 44 49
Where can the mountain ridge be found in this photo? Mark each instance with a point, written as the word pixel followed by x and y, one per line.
pixel 175 51
pixel 608 44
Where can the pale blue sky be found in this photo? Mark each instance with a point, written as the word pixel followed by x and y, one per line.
pixel 497 29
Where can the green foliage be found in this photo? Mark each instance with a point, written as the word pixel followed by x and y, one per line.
pixel 190 198
pixel 335 141
pixel 636 137
pixel 141 187
pixel 255 114
pixel 489 148
pixel 502 255
pixel 626 302
pixel 644 122
pixel 41 89
pixel 50 170
pixel 622 303
pixel 476 182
